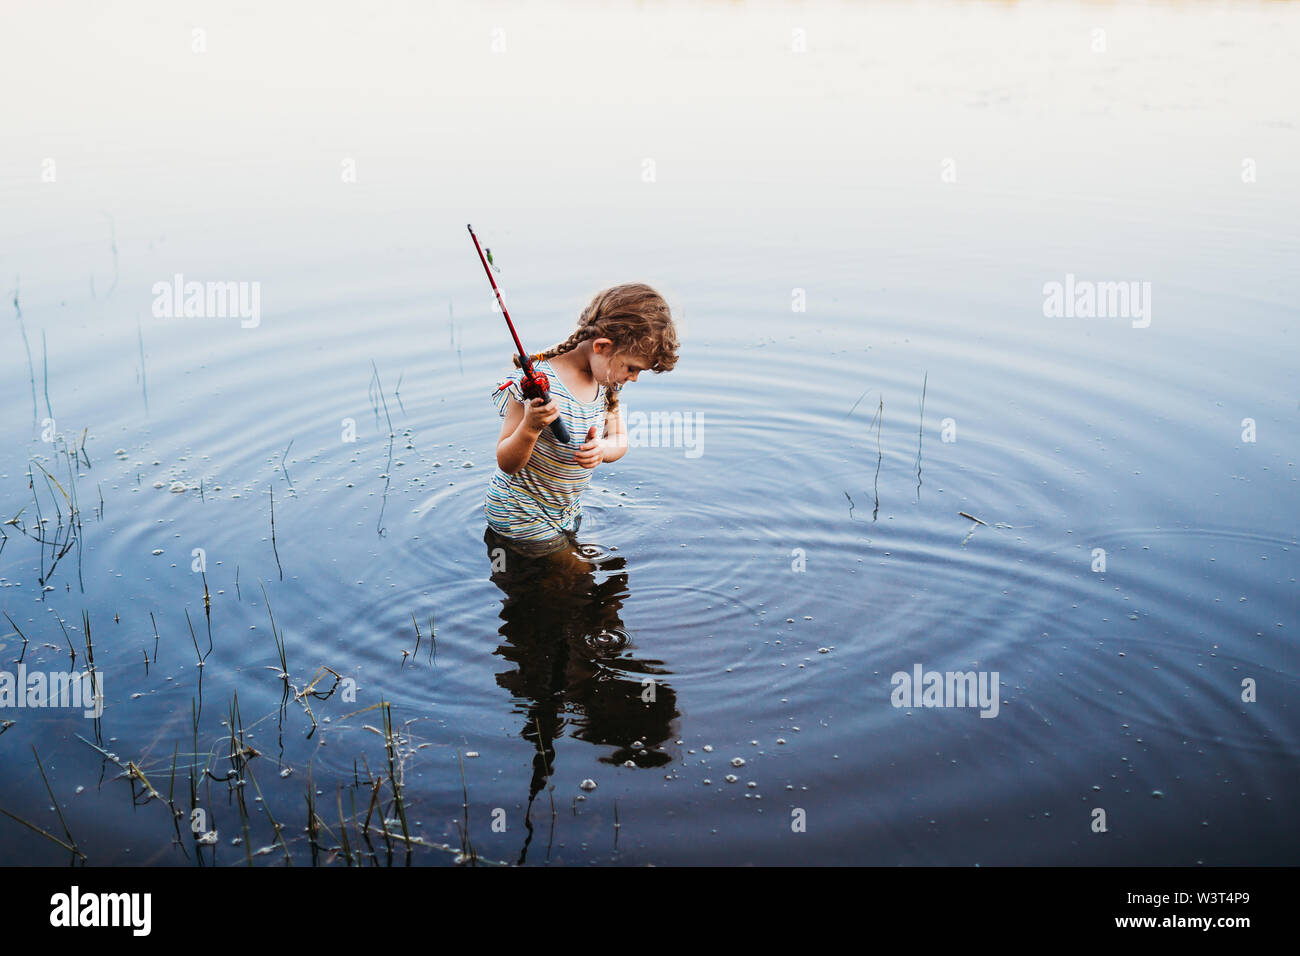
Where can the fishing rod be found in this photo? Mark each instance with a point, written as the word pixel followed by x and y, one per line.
pixel 535 384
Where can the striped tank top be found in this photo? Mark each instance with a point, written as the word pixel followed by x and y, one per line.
pixel 541 500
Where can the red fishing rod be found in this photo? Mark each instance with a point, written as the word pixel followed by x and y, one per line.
pixel 535 384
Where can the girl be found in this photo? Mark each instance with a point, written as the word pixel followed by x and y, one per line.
pixel 532 502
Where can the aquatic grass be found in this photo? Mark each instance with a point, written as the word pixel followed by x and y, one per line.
pixel 19 632
pixel 51 479
pixel 62 821
pixel 35 829
pixel 97 694
pixel 362 832
pixel 313 822
pixel 299 694
pixel 277 636
pixel 194 729
pixel 390 747
pixel 467 852
pixel 202 657
pixel 45 363
pixel 310 691
pixel 134 774
pixel 241 753
pixel 919 433
pixel 89 640
pixel 237 726
pixel 207 611
pixel 64 536
pixel 879 421
pixel 276 827
pixel 275 549
pixel 388 813
pixel 406 653
pixel 849 413
pixel 374 801
pixel 343 827
pixel 285 470
pixel 31 372
pixel 376 386
pixel 171 791
pixel 433 641
pixel 67 637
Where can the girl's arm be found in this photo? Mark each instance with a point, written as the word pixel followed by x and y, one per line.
pixel 615 442
pixel 610 448
pixel 519 432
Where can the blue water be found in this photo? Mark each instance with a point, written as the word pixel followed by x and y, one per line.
pixel 855 242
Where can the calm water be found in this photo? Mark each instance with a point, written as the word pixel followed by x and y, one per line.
pixel 855 240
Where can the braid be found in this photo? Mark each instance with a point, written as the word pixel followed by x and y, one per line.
pixel 568 345
pixel 632 316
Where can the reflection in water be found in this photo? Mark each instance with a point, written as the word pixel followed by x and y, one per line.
pixel 573 660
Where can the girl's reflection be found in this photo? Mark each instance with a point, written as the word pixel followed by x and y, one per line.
pixel 573 664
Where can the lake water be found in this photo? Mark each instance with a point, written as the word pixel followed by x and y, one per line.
pixel 854 212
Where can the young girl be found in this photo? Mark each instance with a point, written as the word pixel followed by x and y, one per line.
pixel 532 503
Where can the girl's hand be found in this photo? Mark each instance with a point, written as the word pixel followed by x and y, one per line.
pixel 591 453
pixel 539 414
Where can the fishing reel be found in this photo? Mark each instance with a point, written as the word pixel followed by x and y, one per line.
pixel 537 385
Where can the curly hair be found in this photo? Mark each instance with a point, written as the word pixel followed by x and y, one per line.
pixel 636 319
